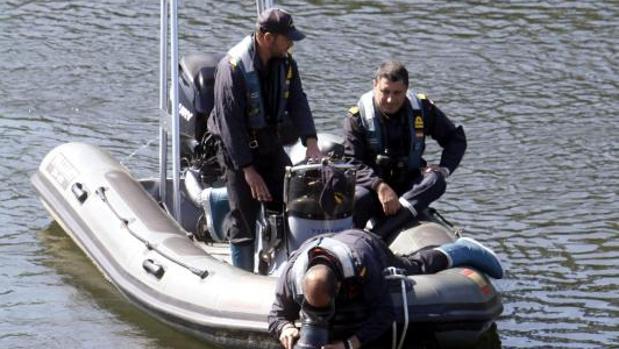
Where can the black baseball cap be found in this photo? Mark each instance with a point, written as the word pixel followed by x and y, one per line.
pixel 276 20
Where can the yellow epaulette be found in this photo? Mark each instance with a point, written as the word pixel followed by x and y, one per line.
pixel 233 62
pixel 422 97
pixel 353 111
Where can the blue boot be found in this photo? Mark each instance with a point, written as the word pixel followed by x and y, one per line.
pixel 467 251
pixel 242 256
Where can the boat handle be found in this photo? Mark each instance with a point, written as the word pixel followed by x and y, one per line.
pixel 153 268
pixel 78 190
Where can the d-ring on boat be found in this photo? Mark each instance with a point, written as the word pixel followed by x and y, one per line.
pixel 174 263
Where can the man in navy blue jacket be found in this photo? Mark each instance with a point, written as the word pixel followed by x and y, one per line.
pixel 259 107
pixel 385 135
pixel 332 271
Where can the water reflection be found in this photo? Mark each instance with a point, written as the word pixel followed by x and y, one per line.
pixel 136 328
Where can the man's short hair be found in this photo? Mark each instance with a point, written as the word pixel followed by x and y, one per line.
pixel 393 71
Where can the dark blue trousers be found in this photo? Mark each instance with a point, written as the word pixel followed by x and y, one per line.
pixel 420 192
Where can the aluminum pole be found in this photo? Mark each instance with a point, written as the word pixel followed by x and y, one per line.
pixel 262 5
pixel 175 129
pixel 163 98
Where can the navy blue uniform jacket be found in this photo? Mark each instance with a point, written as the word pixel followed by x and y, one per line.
pixel 374 255
pixel 228 119
pixel 451 138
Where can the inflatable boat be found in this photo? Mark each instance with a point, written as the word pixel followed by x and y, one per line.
pixel 164 268
pixel 159 241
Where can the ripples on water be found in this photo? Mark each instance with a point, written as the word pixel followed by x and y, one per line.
pixel 534 84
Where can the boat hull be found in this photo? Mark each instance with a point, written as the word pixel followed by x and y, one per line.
pixel 149 257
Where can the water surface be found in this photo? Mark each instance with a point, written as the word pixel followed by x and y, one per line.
pixel 534 84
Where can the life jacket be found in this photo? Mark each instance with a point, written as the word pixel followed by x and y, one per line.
pixel 416 120
pixel 348 260
pixel 242 57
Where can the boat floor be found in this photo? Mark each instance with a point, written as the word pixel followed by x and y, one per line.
pixel 219 250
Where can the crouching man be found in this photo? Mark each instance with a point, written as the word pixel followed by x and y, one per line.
pixel 334 270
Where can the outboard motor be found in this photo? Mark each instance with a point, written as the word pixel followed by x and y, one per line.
pixel 196 100
pixel 319 198
pixel 196 95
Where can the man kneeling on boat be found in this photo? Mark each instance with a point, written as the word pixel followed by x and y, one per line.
pixel 333 272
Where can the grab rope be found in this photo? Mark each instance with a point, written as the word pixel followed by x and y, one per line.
pixel 393 273
pixel 139 149
pixel 103 196
pixel 457 230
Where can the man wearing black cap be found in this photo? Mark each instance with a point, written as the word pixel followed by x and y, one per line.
pixel 335 274
pixel 259 107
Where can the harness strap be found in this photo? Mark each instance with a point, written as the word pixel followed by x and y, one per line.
pixel 393 273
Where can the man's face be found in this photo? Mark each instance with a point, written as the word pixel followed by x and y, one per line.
pixel 280 45
pixel 389 96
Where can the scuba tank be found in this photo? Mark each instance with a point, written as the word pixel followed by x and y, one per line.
pixel 314 331
pixel 318 198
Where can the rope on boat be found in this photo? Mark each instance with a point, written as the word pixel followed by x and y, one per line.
pixel 393 273
pixel 456 230
pixel 150 246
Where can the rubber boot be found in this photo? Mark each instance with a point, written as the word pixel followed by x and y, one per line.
pixel 392 223
pixel 469 252
pixel 242 256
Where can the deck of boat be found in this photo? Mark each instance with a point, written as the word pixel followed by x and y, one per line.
pixel 218 250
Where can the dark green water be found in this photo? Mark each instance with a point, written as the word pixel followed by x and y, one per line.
pixel 536 86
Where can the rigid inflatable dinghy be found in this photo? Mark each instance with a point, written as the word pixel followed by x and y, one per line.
pixel 162 267
pixel 160 241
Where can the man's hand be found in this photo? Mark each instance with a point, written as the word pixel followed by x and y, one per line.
pixel 388 199
pixel 289 335
pixel 312 151
pixel 436 168
pixel 259 190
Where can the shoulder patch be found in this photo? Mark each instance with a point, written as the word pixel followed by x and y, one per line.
pixel 353 111
pixel 233 62
pixel 423 97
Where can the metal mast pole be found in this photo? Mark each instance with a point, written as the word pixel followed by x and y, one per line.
pixel 262 5
pixel 175 129
pixel 169 123
pixel 163 99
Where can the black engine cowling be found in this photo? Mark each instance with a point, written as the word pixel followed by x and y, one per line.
pixel 197 81
pixel 196 100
